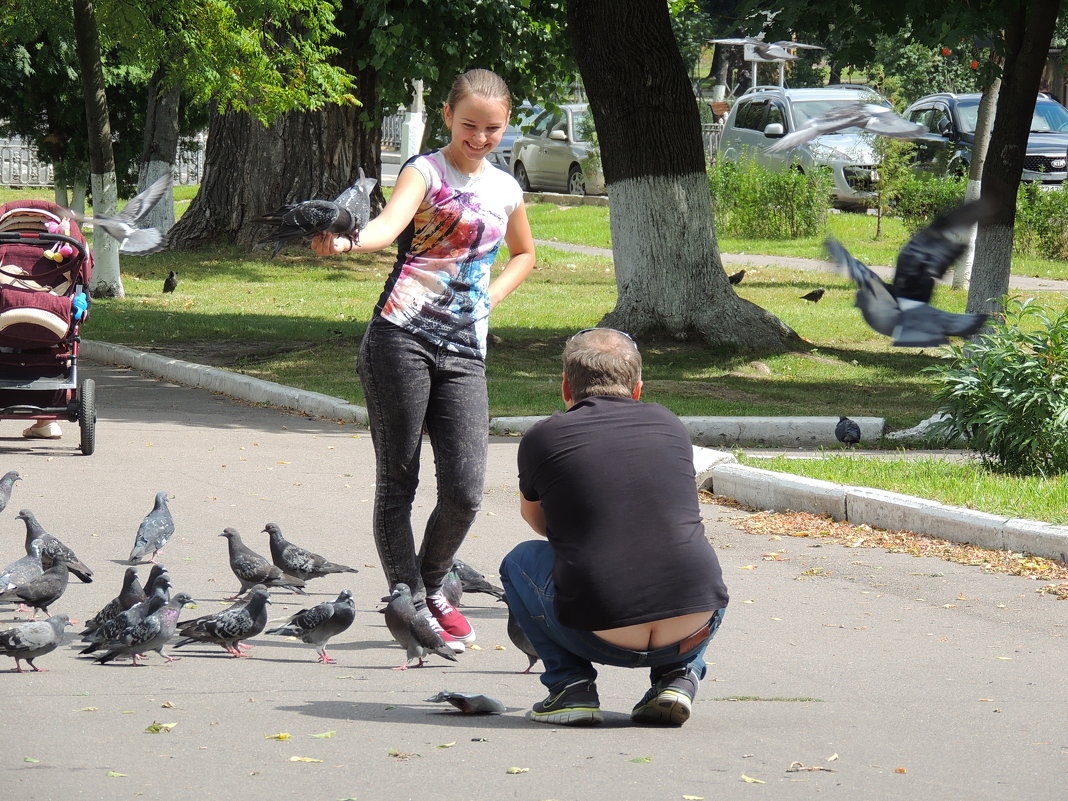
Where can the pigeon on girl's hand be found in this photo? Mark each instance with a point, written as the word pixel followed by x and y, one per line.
pixel 31 640
pixel 412 629
pixel 154 532
pixel 847 431
pixel 252 569
pixel 869 116
pixel 317 624
pixel 6 483
pixel 300 562
pixel 228 628
pixel 52 549
pixel 123 226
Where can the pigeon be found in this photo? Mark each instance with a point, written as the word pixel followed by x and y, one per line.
pixel 123 226
pixel 52 549
pixel 736 278
pixel 815 295
pixel 770 51
pixel 24 569
pixel 42 591
pixel 151 633
pixel 31 640
pixel 131 593
pixel 317 624
pixel 6 483
pixel 156 576
pixel 869 116
pixel 469 703
pixel 412 629
pixel 296 561
pixel 154 532
pixel 229 627
pixel 520 640
pixel 847 431
pixel 170 283
pixel 451 587
pixel 347 214
pixel 110 630
pixel 252 569
pixel 473 581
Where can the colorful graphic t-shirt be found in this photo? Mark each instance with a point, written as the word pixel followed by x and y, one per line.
pixel 439 286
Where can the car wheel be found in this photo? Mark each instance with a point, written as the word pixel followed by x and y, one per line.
pixel 576 181
pixel 521 176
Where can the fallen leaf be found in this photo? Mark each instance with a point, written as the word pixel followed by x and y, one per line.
pixel 642 759
pixel 747 567
pixel 87 709
pixel 474 647
pixel 31 760
pixel 832 757
pixel 303 759
pixel 693 798
pixel 326 735
pixel 1006 658
pixel 447 745
pixel 751 780
pixel 797 766
pixel 900 770
pixel 115 774
pixel 517 770
pixel 156 728
pixel 282 735
pixel 499 648
pixel 169 705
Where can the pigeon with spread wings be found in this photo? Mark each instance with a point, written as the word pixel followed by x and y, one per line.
pixel 123 226
pixel 868 116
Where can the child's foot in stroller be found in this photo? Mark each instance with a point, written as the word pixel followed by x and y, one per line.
pixel 43 429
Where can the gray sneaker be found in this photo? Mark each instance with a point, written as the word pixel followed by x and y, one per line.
pixel 668 702
pixel 574 704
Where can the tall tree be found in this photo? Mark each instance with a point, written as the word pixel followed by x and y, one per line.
pixel 669 275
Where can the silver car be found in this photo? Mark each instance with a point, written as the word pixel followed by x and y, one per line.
pixel 552 154
pixel 765 114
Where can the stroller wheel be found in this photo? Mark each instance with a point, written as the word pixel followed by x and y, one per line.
pixel 87 416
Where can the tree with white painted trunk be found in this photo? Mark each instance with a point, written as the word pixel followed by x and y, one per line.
pixel 669 275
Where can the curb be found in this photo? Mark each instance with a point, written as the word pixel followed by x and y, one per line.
pixel 717 471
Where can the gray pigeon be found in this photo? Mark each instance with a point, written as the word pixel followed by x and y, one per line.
pixel 154 532
pixel 131 593
pixel 151 633
pixel 473 581
pixel 300 562
pixel 770 51
pixel 847 431
pixel 317 624
pixel 229 627
pixel 347 214
pixel 252 569
pixel 520 639
pixel 412 629
pixel 31 640
pixel 869 116
pixel 452 588
pixel 52 550
pixel 41 592
pixel 110 630
pixel 157 575
pixel 170 283
pixel 6 483
pixel 123 226
pixel 24 569
pixel 470 703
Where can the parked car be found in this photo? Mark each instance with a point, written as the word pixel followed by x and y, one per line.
pixel 552 155
pixel 765 114
pixel 950 120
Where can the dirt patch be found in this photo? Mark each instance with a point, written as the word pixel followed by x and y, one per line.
pixel 701 389
pixel 225 354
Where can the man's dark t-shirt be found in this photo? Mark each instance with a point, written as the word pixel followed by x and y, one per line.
pixel 615 478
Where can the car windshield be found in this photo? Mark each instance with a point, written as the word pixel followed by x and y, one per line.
pixel 805 110
pixel 1048 116
pixel 583 125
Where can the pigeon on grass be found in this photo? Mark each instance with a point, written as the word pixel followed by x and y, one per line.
pixel 868 116
pixel 847 431
pixel 170 283
pixel 41 592
pixel 31 640
pixel 52 548
pixel 123 226
pixel 6 483
pixel 411 628
pixel 154 532
pixel 815 295
pixel 317 624
pixel 151 633
pixel 229 627
pixel 736 278
pixel 252 569
pixel 300 562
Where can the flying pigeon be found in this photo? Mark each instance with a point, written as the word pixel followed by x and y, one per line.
pixel 123 226
pixel 151 633
pixel 22 570
pixel 41 592
pixel 31 640
pixel 170 283
pixel 736 278
pixel 815 295
pixel 869 116
pixel 6 483
pixel 520 640
pixel 412 629
pixel 317 624
pixel 252 569
pixel 229 627
pixel 154 532
pixel 473 581
pixel 110 630
pixel 847 431
pixel 470 703
pixel 902 310
pixel 131 593
pixel 347 214
pixel 52 549
pixel 770 51
pixel 300 562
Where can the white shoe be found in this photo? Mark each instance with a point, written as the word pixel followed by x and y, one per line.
pixel 43 429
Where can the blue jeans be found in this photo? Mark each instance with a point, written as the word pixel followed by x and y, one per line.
pixel 569 654
pixel 409 384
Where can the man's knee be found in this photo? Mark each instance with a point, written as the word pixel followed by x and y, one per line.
pixel 523 557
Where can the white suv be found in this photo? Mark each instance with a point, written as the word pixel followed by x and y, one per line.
pixel 765 114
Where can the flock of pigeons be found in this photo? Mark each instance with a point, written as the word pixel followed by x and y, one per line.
pixel 143 618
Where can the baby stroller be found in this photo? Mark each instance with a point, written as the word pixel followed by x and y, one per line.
pixel 45 267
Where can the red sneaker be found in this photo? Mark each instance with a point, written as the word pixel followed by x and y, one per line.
pixel 451 621
pixel 453 643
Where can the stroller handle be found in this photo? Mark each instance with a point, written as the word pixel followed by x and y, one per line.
pixel 43 239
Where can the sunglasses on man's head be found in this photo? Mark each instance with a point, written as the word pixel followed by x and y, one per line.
pixel 599 328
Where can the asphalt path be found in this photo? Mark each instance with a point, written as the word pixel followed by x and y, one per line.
pixel 839 672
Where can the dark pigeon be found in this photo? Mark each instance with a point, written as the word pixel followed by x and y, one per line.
pixel 736 278
pixel 131 593
pixel 157 575
pixel 123 226
pixel 869 116
pixel 469 703
pixel 24 569
pixel 815 295
pixel 154 532
pixel 520 640
pixel 847 431
pixel 451 587
pixel 300 562
pixel 229 627
pixel 170 283
pixel 151 633
pixel 110 630
pixel 31 640
pixel 52 550
pixel 6 483
pixel 473 581
pixel 41 592
pixel 412 629
pixel 347 215
pixel 252 569
pixel 317 624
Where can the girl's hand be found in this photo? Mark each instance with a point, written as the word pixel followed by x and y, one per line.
pixel 326 244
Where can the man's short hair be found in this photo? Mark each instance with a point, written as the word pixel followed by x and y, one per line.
pixel 602 361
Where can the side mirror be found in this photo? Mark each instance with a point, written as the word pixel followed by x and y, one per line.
pixel 773 130
pixel 945 128
pixel 557 135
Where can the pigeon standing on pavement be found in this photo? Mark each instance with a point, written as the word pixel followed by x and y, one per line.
pixel 23 569
pixel 520 639
pixel 154 532
pixel 252 569
pixel 347 215
pixel 317 624
pixel 6 483
pixel 131 593
pixel 473 581
pixel 847 431
pixel 736 278
pixel 52 549
pixel 300 562
pixel 170 283
pixel 229 627
pixel 451 587
pixel 869 116
pixel 41 592
pixel 151 633
pixel 815 295
pixel 123 226
pixel 412 629
pixel 31 640
pixel 110 630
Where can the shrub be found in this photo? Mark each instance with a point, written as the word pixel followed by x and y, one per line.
pixel 921 198
pixel 749 200
pixel 1041 222
pixel 1007 392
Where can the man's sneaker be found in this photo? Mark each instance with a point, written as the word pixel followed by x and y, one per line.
pixel 575 704
pixel 453 643
pixel 451 620
pixel 669 700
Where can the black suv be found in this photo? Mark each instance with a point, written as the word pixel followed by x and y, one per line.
pixel 950 121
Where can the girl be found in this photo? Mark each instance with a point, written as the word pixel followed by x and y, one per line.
pixel 422 359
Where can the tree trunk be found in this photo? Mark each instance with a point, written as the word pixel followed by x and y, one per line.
pixel 962 273
pixel 160 148
pixel 1028 32
pixel 107 279
pixel 669 275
